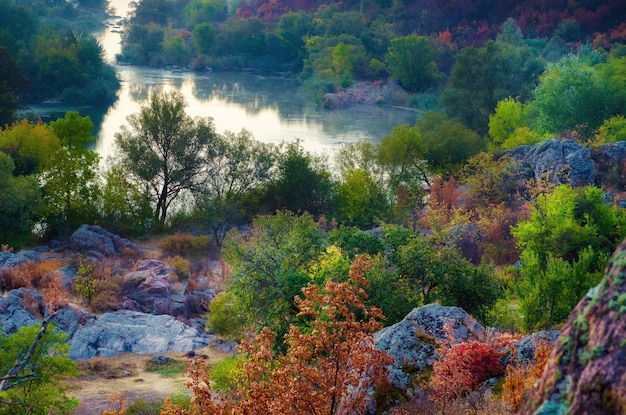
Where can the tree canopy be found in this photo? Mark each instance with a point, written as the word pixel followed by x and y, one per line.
pixel 165 149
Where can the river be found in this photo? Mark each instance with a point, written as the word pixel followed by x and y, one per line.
pixel 273 109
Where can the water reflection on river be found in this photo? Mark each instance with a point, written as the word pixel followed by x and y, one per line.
pixel 273 109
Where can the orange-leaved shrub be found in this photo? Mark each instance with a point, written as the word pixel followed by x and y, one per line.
pixel 330 365
pixel 520 380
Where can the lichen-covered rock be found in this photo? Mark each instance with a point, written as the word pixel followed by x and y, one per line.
pixel 586 372
pixel 99 243
pixel 610 165
pixel 558 161
pixel 412 341
pixel 129 331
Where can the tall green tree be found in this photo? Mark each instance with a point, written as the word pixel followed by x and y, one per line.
pixel 481 77
pixel 70 181
pixel 239 170
pixel 410 60
pixel 303 181
pixel 401 154
pixel 20 204
pixel 165 149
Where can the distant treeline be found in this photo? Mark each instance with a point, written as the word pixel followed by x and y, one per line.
pixel 41 58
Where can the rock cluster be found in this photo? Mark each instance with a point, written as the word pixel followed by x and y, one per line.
pixel 153 302
pixel 569 162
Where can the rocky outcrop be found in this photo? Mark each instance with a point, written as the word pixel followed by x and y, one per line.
pixel 98 243
pixel 24 307
pixel 586 372
pixel 610 165
pixel 412 341
pixel 129 331
pixel 9 259
pixel 21 307
pixel 150 289
pixel 558 161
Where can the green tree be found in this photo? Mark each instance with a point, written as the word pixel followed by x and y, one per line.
pixel 410 60
pixel 292 29
pixel 203 11
pixel 448 144
pixel 360 201
pixel 401 154
pixel 20 204
pixel 271 265
pixel 32 362
pixel 440 273
pixel 481 77
pixel 30 145
pixel 303 182
pixel 508 115
pixel 125 207
pixel 176 51
pixel 568 220
pixel 343 63
pixel 203 36
pixel 12 80
pixel 70 182
pixel 239 170
pixel 165 150
pixel 548 293
pixel 510 33
pixel 573 95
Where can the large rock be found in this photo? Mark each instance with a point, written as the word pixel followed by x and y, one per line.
pixel 586 372
pixel 9 259
pixel 610 165
pixel 25 307
pixel 128 331
pixel 558 161
pixel 21 307
pixel 99 243
pixel 412 341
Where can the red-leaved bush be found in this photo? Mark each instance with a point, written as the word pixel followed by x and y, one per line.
pixel 463 368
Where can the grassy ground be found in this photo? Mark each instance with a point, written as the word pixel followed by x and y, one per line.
pixel 132 375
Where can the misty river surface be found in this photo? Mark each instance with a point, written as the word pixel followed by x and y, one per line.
pixel 273 109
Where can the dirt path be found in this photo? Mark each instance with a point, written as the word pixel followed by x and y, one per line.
pixel 93 389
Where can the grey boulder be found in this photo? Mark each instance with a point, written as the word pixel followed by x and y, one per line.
pixel 129 331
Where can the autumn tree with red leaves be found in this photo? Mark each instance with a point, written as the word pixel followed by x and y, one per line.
pixel 330 366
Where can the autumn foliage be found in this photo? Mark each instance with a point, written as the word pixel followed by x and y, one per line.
pixel 330 366
pixel 462 368
pixel 520 380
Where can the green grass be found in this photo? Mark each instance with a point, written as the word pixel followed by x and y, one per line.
pixel 171 369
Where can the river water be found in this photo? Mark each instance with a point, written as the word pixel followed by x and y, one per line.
pixel 273 109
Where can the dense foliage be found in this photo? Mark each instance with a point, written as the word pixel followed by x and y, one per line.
pixel 433 212
pixel 43 56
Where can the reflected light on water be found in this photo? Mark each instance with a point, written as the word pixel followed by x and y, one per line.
pixel 274 110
